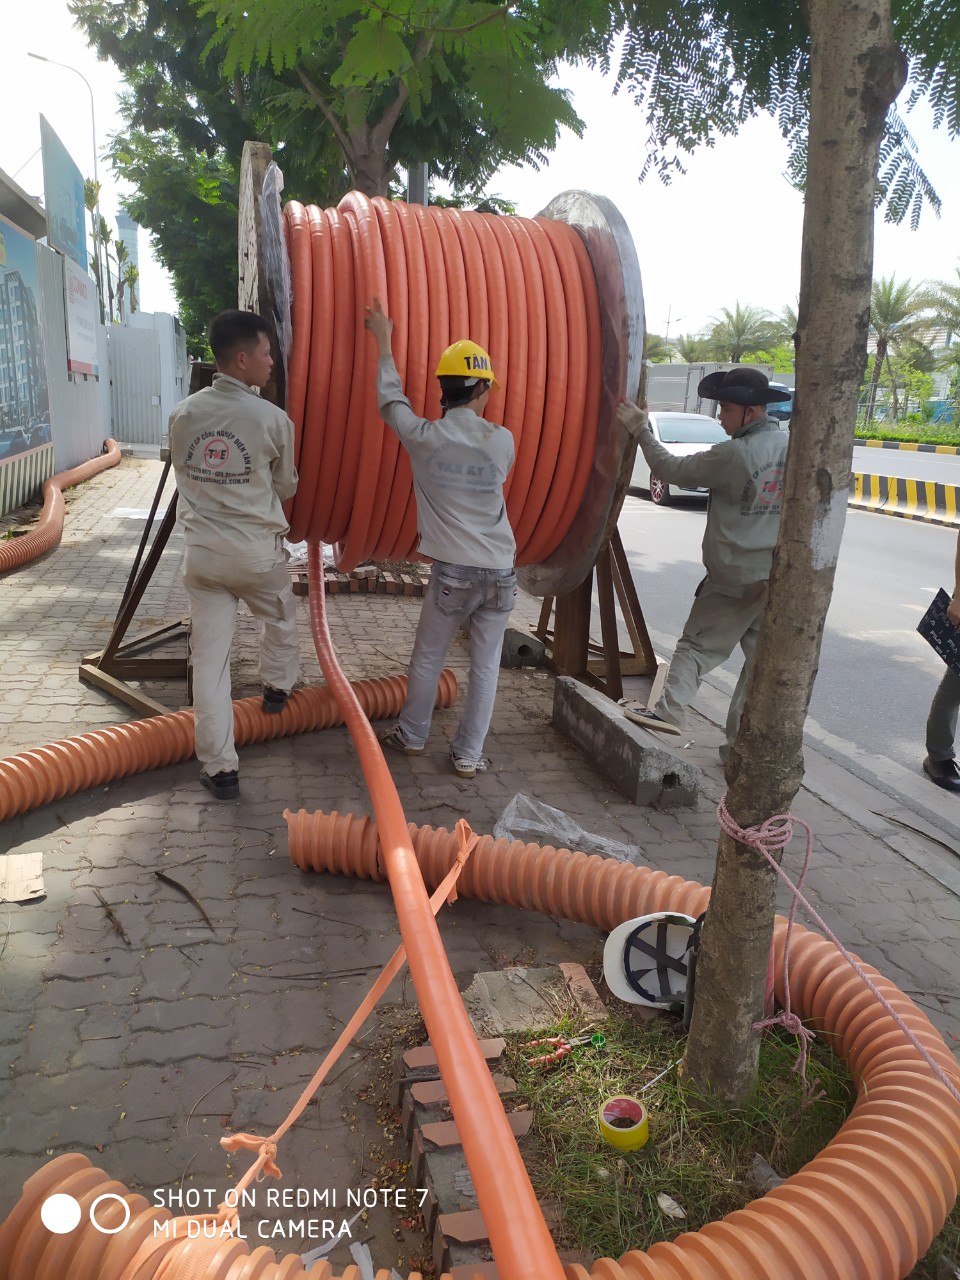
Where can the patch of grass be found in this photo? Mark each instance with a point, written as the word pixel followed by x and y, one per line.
pixel 698 1155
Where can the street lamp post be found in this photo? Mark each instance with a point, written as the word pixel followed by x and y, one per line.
pixel 96 211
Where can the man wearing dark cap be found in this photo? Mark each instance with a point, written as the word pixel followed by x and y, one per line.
pixel 745 478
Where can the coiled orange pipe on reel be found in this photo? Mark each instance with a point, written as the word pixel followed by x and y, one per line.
pixel 555 299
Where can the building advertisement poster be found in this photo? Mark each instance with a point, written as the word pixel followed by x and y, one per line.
pixel 81 308
pixel 63 197
pixel 26 454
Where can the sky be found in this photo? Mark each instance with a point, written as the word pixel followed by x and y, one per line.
pixel 707 241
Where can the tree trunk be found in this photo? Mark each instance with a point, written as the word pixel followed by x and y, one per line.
pixel 856 72
pixel 878 359
pixel 369 171
pixel 893 391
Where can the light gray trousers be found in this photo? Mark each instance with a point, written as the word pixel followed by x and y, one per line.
pixel 942 720
pixel 718 622
pixel 456 593
pixel 215 585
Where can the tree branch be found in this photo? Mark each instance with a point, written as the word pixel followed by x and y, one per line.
pixel 381 131
pixel 502 12
pixel 324 106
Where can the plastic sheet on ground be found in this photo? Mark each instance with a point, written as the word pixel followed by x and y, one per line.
pixel 297 554
pixel 534 822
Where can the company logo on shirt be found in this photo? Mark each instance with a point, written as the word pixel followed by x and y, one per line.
pixel 215 454
pixel 763 492
pixel 218 457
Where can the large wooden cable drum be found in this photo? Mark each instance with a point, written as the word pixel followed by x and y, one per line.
pixel 557 302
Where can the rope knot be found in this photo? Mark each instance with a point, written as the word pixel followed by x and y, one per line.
pixel 770 837
pixel 265 1148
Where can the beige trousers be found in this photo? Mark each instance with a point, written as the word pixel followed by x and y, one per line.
pixel 215 585
pixel 718 622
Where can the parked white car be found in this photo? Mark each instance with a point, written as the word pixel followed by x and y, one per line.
pixel 683 434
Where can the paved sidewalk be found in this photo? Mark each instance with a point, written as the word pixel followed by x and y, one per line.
pixel 142 1055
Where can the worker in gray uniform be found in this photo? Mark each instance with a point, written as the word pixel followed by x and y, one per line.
pixel 459 464
pixel 232 453
pixel 745 478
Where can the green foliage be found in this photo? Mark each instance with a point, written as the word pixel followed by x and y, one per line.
pixel 944 299
pixel 947 433
pixel 189 202
pixel 462 84
pixel 698 72
pixel 475 202
pixel 185 123
pixel 694 349
pixel 781 356
pixel 899 315
pixel 658 350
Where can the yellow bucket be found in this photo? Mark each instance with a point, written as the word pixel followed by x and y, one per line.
pixel 623 1122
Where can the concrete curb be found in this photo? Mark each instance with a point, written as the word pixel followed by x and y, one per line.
pixel 634 760
pixel 911 499
pixel 908 445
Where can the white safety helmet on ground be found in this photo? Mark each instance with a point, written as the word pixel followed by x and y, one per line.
pixel 645 959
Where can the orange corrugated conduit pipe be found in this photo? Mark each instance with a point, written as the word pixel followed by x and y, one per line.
pixel 524 288
pixel 869 1205
pixel 63 768
pixel 49 528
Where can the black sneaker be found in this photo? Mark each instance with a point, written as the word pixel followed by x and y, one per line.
pixel 225 786
pixel 274 700
pixel 943 773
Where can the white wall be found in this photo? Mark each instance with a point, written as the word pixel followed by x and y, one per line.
pixel 79 406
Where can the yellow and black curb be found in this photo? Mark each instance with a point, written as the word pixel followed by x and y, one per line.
pixel 909 446
pixel 911 499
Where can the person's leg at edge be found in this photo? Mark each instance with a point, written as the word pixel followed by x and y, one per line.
pixel 435 631
pixel 213 613
pixel 487 625
pixel 715 626
pixel 942 720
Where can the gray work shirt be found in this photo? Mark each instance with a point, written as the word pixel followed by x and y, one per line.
pixel 459 465
pixel 232 453
pixel 745 477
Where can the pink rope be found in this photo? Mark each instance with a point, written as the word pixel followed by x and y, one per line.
pixel 770 837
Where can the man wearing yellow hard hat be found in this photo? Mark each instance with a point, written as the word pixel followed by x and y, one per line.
pixel 459 464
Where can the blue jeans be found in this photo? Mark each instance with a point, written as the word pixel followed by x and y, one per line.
pixel 456 593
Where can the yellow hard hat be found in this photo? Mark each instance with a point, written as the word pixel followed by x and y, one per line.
pixel 466 360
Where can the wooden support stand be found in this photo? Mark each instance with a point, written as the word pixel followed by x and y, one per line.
pixel 573 653
pixel 121 661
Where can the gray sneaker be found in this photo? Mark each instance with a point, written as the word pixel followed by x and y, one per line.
pixel 399 741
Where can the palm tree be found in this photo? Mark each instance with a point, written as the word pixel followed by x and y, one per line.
pixel 127 277
pixel 899 312
pixel 91 199
pixel 945 301
pixel 740 330
pixel 786 323
pixel 694 349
